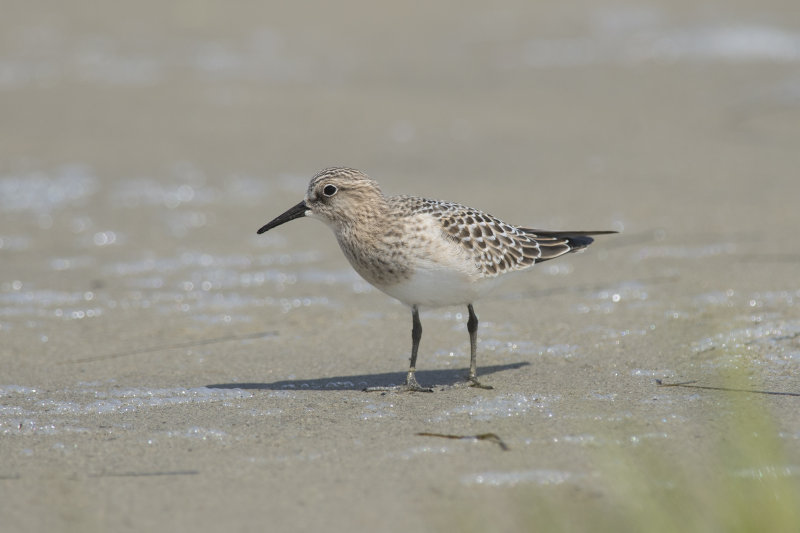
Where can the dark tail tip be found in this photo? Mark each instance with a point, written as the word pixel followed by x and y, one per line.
pixel 579 241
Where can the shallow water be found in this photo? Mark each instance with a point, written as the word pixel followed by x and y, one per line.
pixel 146 330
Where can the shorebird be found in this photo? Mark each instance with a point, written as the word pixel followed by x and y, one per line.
pixel 425 253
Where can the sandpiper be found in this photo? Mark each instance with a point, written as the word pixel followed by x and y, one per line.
pixel 425 253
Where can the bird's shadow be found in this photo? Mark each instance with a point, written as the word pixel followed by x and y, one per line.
pixel 427 378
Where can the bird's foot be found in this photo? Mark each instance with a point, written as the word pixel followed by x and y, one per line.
pixel 411 385
pixel 473 382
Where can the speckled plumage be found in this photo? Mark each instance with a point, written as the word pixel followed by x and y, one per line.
pixel 424 252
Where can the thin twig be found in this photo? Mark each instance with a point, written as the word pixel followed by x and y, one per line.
pixel 691 385
pixel 491 437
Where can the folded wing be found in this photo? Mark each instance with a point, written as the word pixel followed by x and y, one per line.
pixel 499 247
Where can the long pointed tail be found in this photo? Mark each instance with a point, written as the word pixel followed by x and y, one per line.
pixel 554 244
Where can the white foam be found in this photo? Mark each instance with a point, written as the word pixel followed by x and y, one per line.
pixel 378 410
pixel 131 400
pixel 8 390
pixel 200 433
pixel 519 477
pixel 43 192
pixel 501 406
pixel 769 472
pixel 651 38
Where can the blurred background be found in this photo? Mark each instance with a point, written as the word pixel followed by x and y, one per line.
pixel 142 144
pixel 132 131
pixel 611 100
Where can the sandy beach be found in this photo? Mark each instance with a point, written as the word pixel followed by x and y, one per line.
pixel 164 368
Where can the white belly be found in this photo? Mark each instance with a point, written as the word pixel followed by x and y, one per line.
pixel 439 287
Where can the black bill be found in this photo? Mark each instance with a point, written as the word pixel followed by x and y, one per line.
pixel 295 212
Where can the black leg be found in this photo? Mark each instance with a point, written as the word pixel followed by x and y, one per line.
pixel 472 327
pixel 416 335
pixel 411 380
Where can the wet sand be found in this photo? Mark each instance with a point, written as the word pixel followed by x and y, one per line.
pixel 162 367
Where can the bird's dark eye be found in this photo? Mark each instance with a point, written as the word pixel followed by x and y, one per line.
pixel 329 190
